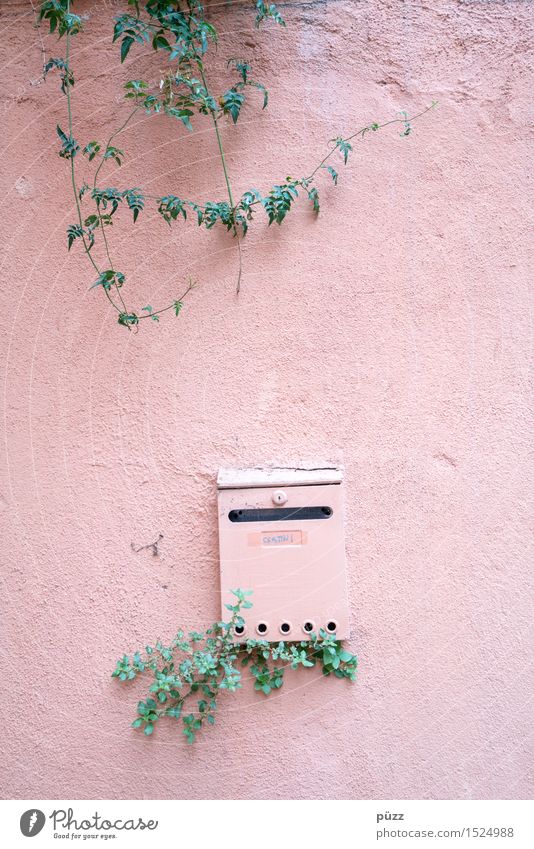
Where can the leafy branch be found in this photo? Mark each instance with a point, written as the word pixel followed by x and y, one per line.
pixel 180 30
pixel 278 200
pixel 190 674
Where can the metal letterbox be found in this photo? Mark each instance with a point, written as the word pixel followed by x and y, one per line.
pixel 281 536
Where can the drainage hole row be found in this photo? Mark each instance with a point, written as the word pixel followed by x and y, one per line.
pixel 286 628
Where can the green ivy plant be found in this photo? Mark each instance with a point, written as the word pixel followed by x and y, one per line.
pixel 179 29
pixel 190 673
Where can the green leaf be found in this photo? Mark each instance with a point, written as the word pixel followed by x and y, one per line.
pixel 148 729
pixel 57 14
pixel 268 10
pixel 114 153
pixel 91 149
pixel 109 278
pixel 135 89
pixel 313 195
pixel 265 93
pixel 346 656
pixel 125 46
pixel 231 103
pixel 160 42
pixel 333 173
pixel 74 231
pixel 135 200
pixel 66 76
pixel 344 147
pixel 241 67
pixel 170 207
pixel 69 145
pixel 183 115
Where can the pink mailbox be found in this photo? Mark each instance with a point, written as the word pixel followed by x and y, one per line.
pixel 281 536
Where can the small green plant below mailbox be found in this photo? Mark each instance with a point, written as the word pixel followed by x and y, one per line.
pixel 191 672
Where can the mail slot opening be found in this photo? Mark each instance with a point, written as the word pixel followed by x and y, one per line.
pixel 331 626
pixel 279 514
pixel 239 629
pixel 262 627
pixel 308 626
pixel 285 627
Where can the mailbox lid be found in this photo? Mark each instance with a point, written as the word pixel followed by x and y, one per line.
pixel 262 477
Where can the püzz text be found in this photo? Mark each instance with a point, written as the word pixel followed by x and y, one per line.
pixel 388 816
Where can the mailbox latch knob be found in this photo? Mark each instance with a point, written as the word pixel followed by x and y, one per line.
pixel 279 497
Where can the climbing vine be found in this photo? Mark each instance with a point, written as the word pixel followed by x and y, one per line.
pixel 179 29
pixel 190 674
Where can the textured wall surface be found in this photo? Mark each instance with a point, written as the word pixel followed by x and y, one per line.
pixel 391 335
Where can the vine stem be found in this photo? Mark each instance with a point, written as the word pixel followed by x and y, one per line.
pixel 103 231
pixel 366 129
pixel 40 79
pixel 171 306
pixel 226 177
pixel 73 172
pixel 114 135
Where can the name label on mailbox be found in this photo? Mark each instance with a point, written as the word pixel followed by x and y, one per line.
pixel 271 539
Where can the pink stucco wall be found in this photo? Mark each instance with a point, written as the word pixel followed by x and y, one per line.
pixel 391 335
